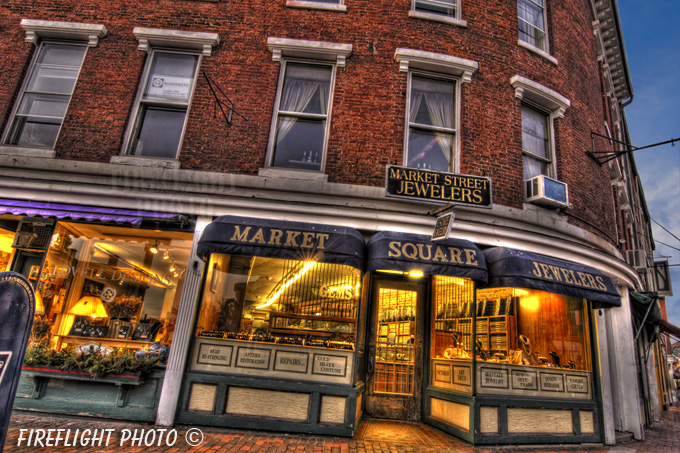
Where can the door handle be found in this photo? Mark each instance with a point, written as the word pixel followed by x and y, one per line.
pixel 371 359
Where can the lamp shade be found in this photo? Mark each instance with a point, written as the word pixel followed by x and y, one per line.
pixel 89 306
pixel 39 305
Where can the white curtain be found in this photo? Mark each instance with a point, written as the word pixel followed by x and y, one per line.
pixel 440 108
pixel 295 98
pixel 532 14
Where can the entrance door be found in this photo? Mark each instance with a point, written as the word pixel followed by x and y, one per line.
pixel 395 368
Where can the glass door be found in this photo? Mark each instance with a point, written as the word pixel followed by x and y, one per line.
pixel 394 373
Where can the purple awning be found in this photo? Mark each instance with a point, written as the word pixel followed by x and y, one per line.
pixel 77 212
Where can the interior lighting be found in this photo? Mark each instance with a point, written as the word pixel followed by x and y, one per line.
pixel 154 248
pixel 416 274
pixel 166 256
pixel 89 306
pixel 308 265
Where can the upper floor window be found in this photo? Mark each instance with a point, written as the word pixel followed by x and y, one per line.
pixel 432 113
pixel 531 15
pixel 540 106
pixel 537 152
pixel 51 79
pixel 302 116
pixel 299 129
pixel 43 101
pixel 160 113
pixel 327 5
pixel 431 123
pixel 441 7
pixel 163 104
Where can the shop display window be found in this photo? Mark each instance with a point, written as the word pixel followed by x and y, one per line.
pixel 533 328
pixel 6 250
pixel 281 301
pixel 110 286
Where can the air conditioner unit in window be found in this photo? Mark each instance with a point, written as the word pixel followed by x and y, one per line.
pixel 637 259
pixel 547 192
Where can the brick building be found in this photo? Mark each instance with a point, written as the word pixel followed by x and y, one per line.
pixel 260 183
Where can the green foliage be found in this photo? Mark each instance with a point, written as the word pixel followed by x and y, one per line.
pixel 95 362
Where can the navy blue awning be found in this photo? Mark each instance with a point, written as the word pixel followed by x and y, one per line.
pixel 283 239
pixel 389 250
pixel 518 269
pixel 77 212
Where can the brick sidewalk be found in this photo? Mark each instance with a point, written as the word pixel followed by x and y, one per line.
pixel 373 436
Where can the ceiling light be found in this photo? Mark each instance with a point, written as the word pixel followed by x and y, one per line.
pixel 154 249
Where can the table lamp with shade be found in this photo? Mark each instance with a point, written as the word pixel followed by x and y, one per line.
pixel 89 305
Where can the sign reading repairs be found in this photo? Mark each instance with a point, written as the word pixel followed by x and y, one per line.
pixel 441 187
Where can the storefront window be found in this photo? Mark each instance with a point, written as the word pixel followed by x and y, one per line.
pixel 533 343
pixel 6 250
pixel 280 301
pixel 453 305
pixel 111 286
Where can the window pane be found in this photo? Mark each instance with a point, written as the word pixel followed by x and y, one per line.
pixel 56 68
pixel 429 150
pixel 534 167
pixel 305 89
pixel 279 300
pixel 171 78
pixel 443 7
pixel 160 132
pixel 534 132
pixel 31 131
pixel 299 143
pixel 432 102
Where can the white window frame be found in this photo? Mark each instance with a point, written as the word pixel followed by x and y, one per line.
pixel 305 52
pixel 436 66
pixel 548 101
pixel 39 32
pixel 330 5
pixel 167 41
pixel 541 51
pixel 452 20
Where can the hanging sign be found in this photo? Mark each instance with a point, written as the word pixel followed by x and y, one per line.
pixel 17 307
pixel 443 226
pixel 437 186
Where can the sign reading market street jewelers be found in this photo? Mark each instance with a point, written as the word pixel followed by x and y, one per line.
pixel 437 186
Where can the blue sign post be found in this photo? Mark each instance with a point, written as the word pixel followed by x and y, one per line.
pixel 17 306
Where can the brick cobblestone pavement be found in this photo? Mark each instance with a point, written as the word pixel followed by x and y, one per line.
pixel 373 436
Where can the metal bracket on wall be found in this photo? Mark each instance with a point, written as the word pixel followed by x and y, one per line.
pixel 602 157
pixel 222 101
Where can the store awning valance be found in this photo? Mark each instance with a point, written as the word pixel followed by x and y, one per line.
pixel 518 269
pixel 283 239
pixel 405 252
pixel 670 329
pixel 77 212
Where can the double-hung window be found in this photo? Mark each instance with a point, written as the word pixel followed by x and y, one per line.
pixel 540 106
pixel 159 116
pixel 432 116
pixel 537 152
pixel 531 17
pixel 51 79
pixel 442 7
pixel 163 104
pixel 302 116
pixel 431 122
pixel 46 95
pixel 298 137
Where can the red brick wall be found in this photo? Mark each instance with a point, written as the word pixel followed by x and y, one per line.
pixel 368 112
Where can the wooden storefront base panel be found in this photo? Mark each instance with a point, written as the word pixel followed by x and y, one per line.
pixel 587 422
pixel 454 414
pixel 268 403
pixel 539 421
pixel 333 409
pixel 203 397
pixel 488 418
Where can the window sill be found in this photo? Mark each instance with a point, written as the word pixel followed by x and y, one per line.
pixel 315 5
pixel 437 18
pixel 537 51
pixel 168 164
pixel 285 173
pixel 27 152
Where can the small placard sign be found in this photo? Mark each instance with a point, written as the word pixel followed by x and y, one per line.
pixel 443 226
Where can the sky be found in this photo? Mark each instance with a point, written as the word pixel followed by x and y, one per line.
pixel 652 41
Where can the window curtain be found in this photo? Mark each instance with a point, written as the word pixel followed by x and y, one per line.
pixel 296 96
